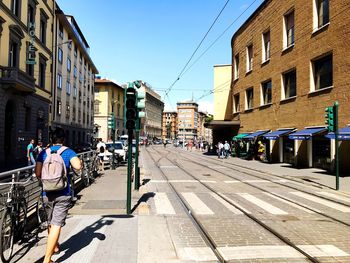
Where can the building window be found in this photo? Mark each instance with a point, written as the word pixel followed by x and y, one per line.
pixel 59 81
pixel 249 99
pixel 43 26
pixel 236 107
pixel 266 92
pixel 249 58
pixel 266 46
pixel 42 71
pixel 68 88
pixel 16 7
pixel 60 31
pixel 59 107
pixel 13 55
pixel 321 13
pixel 236 67
pixel 68 64
pixel 75 92
pixel 31 14
pixel 75 51
pixel 67 111
pixel 323 72
pixel 75 71
pixel 289 83
pixel 70 42
pixel 96 107
pixel 288 36
pixel 60 55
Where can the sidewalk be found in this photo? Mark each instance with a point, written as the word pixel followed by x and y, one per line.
pixel 97 228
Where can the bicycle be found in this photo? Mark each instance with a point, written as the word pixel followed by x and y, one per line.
pixel 14 217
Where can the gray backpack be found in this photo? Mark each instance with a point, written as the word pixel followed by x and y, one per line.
pixel 54 172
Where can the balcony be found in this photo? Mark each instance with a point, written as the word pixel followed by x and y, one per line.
pixel 11 77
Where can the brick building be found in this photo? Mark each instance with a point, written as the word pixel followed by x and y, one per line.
pixel 290 61
pixel 187 120
pixel 169 125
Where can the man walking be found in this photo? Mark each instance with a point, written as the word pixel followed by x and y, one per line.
pixel 30 150
pixel 227 149
pixel 57 203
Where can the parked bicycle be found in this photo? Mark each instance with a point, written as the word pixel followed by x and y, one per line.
pixel 14 216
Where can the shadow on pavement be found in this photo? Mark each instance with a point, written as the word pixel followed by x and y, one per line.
pixel 143 198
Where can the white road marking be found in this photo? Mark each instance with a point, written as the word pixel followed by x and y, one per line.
pixel 323 251
pixel 226 204
pixel 198 206
pixel 256 181
pixel 208 181
pixel 183 181
pixel 255 252
pixel 218 167
pixel 236 204
pixel 163 205
pixel 86 253
pixel 290 203
pixel 263 252
pixel 197 254
pixel 231 182
pixel 321 201
pixel 158 181
pixel 262 204
pixel 168 166
pixel 335 196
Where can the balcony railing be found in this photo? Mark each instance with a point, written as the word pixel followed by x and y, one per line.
pixel 11 77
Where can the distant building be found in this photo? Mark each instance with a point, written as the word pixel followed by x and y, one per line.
pixel 169 125
pixel 187 120
pixel 74 74
pixel 151 125
pixel 26 56
pixel 109 98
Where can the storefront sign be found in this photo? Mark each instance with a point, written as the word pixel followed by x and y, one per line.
pixel 31 48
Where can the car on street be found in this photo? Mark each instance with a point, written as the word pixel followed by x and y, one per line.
pixel 118 148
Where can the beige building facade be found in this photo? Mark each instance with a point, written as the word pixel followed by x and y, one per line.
pixel 74 74
pixel 109 98
pixel 26 53
pixel 169 125
pixel 187 120
pixel 290 62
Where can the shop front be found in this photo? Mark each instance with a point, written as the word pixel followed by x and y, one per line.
pixel 254 141
pixel 239 146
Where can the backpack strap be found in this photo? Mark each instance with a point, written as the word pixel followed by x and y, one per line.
pixel 48 152
pixel 61 150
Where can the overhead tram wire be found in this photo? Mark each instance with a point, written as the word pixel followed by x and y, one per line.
pixel 195 51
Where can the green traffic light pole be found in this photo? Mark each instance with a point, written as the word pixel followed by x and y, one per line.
pixel 335 107
pixel 137 169
pixel 128 192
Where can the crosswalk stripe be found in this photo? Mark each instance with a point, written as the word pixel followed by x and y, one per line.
pixel 198 206
pixel 163 205
pixel 321 201
pixel 236 204
pixel 290 203
pixel 226 204
pixel 264 252
pixel 208 181
pixel 262 204
pixel 335 196
pixel 256 181
pixel 231 182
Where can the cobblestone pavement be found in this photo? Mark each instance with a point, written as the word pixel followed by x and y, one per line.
pixel 235 235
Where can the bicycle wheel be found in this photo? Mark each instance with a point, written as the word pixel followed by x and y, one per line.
pixel 6 236
pixel 85 177
pixel 41 214
pixel 22 219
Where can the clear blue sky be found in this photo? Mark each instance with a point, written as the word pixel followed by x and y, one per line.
pixel 151 40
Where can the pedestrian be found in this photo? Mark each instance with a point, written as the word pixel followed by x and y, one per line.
pixel 227 149
pixel 38 149
pixel 58 202
pixel 220 149
pixel 30 150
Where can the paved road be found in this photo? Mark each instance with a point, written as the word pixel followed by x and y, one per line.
pixel 160 229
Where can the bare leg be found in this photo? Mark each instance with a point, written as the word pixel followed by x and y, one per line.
pixel 52 242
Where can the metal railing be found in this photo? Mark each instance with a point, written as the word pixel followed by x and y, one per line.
pixel 33 188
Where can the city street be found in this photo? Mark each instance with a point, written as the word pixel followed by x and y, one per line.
pixel 194 207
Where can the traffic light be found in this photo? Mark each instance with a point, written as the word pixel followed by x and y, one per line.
pixel 140 104
pixel 330 118
pixel 131 107
pixel 111 121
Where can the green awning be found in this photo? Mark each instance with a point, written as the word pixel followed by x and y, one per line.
pixel 239 136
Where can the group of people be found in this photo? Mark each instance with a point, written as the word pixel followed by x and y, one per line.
pixel 223 149
pixel 33 152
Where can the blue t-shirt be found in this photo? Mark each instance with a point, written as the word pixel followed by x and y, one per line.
pixel 30 147
pixel 67 155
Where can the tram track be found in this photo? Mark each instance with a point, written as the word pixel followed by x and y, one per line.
pixel 204 233
pixel 234 167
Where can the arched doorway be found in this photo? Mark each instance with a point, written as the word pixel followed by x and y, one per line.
pixel 9 137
